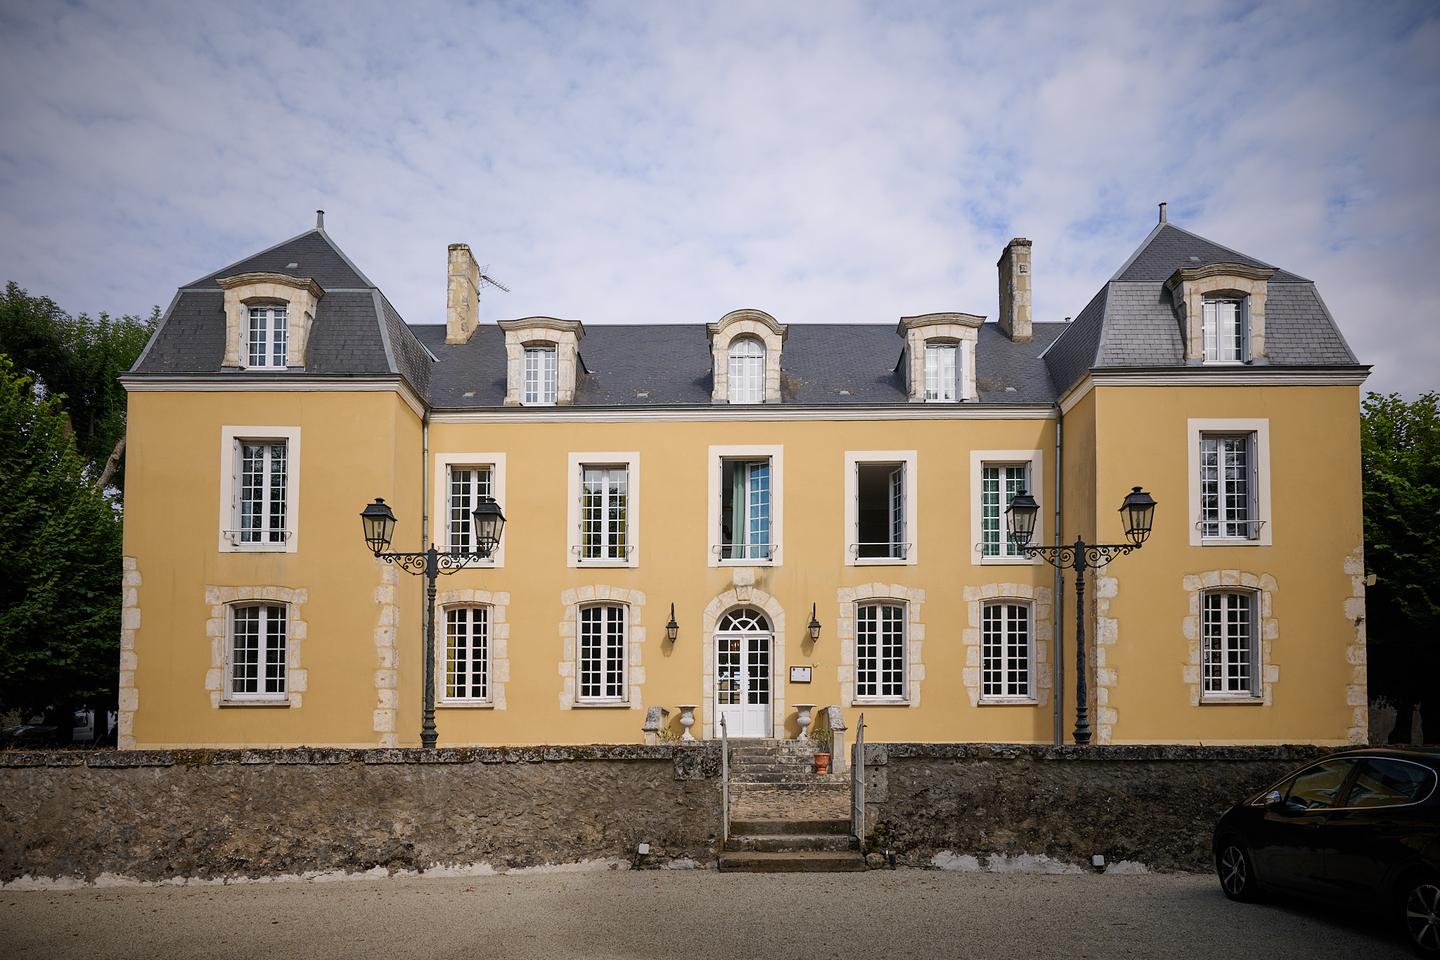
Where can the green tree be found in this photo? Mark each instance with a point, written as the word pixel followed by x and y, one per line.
pixel 1400 460
pixel 60 543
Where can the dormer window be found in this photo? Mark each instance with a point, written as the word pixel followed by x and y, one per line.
pixel 747 371
pixel 941 368
pixel 268 327
pixel 1226 339
pixel 541 375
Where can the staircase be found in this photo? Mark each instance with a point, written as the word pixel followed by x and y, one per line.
pixel 785 818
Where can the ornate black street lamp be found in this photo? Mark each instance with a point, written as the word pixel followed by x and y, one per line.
pixel 379 523
pixel 1137 513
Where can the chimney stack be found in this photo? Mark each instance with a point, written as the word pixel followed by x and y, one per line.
pixel 1014 267
pixel 1162 211
pixel 462 303
pixel 319 219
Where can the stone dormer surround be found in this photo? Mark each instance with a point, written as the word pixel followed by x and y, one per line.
pixel 563 335
pixel 743 323
pixel 1189 286
pixel 959 328
pixel 242 291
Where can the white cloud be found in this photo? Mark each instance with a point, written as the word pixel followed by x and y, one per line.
pixel 668 162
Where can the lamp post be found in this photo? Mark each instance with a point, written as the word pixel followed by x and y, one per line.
pixel 1137 514
pixel 379 523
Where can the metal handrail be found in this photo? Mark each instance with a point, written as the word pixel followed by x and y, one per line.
pixel 903 545
pixel 769 551
pixel 1254 526
pixel 724 782
pixel 857 784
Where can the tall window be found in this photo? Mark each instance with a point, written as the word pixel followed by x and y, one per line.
pixel 745 510
pixel 1005 652
pixel 1231 655
pixel 880 511
pixel 941 369
pixel 604 512
pixel 998 484
pixel 541 374
pixel 1228 487
pixel 880 651
pixel 603 633
pixel 257 667
pixel 1224 331
pixel 267 336
pixel 747 371
pixel 260 506
pixel 467 653
pixel 467 485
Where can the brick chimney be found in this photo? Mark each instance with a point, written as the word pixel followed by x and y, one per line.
pixel 1014 267
pixel 462 302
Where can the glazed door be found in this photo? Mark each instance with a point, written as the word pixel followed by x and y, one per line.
pixel 742 683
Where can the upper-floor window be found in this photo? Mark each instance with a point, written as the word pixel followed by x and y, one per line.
pixel 942 371
pixel 604 512
pixel 465 487
pixel 747 371
pixel 880 524
pixel 1005 651
pixel 1228 487
pixel 999 482
pixel 1231 655
pixel 266 342
pixel 467 654
pixel 257 663
pixel 745 502
pixel 604 637
pixel 260 506
pixel 1226 339
pixel 880 651
pixel 541 375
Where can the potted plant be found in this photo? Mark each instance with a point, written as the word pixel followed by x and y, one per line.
pixel 821 739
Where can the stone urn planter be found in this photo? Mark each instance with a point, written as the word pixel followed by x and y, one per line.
pixel 821 739
pixel 687 719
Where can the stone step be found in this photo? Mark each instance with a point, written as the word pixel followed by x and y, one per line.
pixel 828 783
pixel 790 842
pixel 767 827
pixel 772 767
pixel 806 861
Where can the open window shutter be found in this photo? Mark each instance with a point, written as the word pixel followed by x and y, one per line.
pixel 897 512
pixel 1257 680
pixel 1252 462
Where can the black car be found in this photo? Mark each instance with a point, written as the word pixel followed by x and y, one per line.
pixel 1360 828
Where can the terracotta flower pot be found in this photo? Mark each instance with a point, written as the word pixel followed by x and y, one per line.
pixel 822 763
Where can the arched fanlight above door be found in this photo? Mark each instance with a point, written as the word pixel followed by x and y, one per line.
pixel 744 620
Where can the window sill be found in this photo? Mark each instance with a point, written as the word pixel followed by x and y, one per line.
pixel 1232 700
pixel 612 564
pixel 746 563
pixel 600 705
pixel 255 703
pixel 879 702
pixel 465 705
pixel 880 562
pixel 1016 702
pixel 1232 542
pixel 1010 561
pixel 1224 363
pixel 257 548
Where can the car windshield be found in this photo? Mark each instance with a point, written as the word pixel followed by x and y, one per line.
pixel 1383 783
pixel 1319 786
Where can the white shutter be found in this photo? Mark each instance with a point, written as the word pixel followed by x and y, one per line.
pixel 1252 463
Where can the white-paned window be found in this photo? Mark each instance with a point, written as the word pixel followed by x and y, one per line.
pixel 266 344
pixel 262 492
pixel 467 654
pixel 880 530
pixel 745 510
pixel 942 371
pixel 747 371
pixel 1226 339
pixel 1005 651
pixel 465 487
pixel 604 631
pixel 1231 654
pixel 880 651
pixel 1228 487
pixel 999 482
pixel 541 372
pixel 257 665
pixel 604 512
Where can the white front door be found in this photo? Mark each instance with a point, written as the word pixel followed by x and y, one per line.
pixel 742 683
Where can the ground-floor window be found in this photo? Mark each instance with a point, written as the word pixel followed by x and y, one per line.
pixel 880 651
pixel 1005 651
pixel 1230 651
pixel 467 654
pixel 602 655
pixel 257 666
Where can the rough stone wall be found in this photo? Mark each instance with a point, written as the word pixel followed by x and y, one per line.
pixel 154 815
pixel 1154 805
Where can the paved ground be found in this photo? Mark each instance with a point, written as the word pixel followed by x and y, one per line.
pixel 680 915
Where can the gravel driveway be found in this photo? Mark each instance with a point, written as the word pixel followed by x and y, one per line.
pixel 680 915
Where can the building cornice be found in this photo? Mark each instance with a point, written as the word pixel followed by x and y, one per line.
pixel 272 383
pixel 279 279
pixel 1219 377
pixel 972 320
pixel 751 413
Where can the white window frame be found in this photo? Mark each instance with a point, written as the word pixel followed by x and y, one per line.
pixel 1034 461
pixel 1210 331
pixel 1006 661
pixel 442 653
pixel 903 697
pixel 721 452
pixel 581 700
pixel 231 436
pixel 957 385
pixel 230 696
pixel 1255 691
pixel 577 462
pixel 268 337
pixel 542 375
pixel 440 505
pixel 734 384
pixel 909 460
pixel 1259 430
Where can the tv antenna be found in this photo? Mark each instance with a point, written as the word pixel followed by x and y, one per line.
pixel 486 278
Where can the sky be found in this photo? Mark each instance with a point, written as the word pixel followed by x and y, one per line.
pixel 668 162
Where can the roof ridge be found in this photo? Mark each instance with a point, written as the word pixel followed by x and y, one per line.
pixel 343 256
pixel 251 256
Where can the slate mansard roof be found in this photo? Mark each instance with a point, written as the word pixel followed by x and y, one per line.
pixel 1130 323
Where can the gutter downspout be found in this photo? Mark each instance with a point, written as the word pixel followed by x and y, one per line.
pixel 1058 659
pixel 425 610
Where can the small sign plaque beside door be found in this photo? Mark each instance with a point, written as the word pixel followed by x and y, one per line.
pixel 800 674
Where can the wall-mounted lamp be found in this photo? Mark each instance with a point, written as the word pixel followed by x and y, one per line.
pixel 672 629
pixel 814 625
